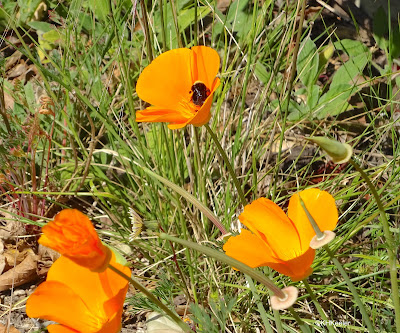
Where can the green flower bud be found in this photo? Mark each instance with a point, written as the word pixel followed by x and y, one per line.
pixel 338 152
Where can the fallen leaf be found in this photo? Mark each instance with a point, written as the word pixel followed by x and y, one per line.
pixel 9 329
pixel 158 323
pixel 20 274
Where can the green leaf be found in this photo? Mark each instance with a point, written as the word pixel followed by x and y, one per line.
pixel 27 9
pixel 352 47
pixel 30 95
pixel 334 101
pixel 349 70
pixel 101 8
pixel 312 97
pixel 41 26
pixel 381 28
pixel 52 36
pixel 261 72
pixel 307 62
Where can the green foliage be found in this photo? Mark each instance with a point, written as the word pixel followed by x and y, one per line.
pixel 213 320
pixel 334 101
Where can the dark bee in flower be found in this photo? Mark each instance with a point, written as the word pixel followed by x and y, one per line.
pixel 199 93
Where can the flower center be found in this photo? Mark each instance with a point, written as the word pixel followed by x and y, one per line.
pixel 199 93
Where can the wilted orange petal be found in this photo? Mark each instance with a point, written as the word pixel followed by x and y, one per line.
pixel 266 219
pixel 322 208
pixel 55 301
pixel 60 329
pixel 94 288
pixel 72 234
pixel 167 80
pixel 205 65
pixel 248 249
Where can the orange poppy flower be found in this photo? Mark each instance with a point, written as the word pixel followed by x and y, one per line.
pixel 80 300
pixel 72 234
pixel 282 241
pixel 180 84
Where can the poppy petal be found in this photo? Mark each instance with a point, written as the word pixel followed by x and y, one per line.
pixel 321 205
pixel 72 234
pixel 203 115
pixel 205 65
pixel 167 80
pixel 55 301
pixel 248 249
pixel 267 220
pixel 297 268
pixel 94 288
pixel 60 329
pixel 156 114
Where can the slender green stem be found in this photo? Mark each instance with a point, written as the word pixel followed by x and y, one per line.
pixel 196 25
pixel 147 30
pixel 278 321
pixel 164 35
pixel 391 247
pixel 260 306
pixel 302 9
pixel 317 305
pixel 200 172
pixel 228 165
pixel 353 290
pixel 303 326
pixel 152 298
pixel 229 261
pixel 181 217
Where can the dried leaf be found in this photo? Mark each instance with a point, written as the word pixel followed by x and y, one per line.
pixel 158 323
pixel 20 274
pixel 9 329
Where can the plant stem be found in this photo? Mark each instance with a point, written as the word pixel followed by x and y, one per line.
pixel 302 9
pixel 228 260
pixel 228 165
pixel 317 305
pixel 391 247
pixel 201 183
pixel 260 306
pixel 303 326
pixel 151 297
pixel 353 290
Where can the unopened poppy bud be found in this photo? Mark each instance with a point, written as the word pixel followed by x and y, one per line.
pixel 285 303
pixel 338 152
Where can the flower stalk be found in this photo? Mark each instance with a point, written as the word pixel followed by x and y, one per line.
pixel 228 164
pixel 152 298
pixel 391 248
pixel 228 260
pixel 353 290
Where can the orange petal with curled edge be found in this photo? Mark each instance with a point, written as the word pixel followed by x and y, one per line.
pixel 249 249
pixel 266 219
pixel 322 207
pixel 72 234
pixel 167 80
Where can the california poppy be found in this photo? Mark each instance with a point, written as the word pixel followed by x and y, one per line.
pixel 72 234
pixel 179 84
pixel 80 300
pixel 282 241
